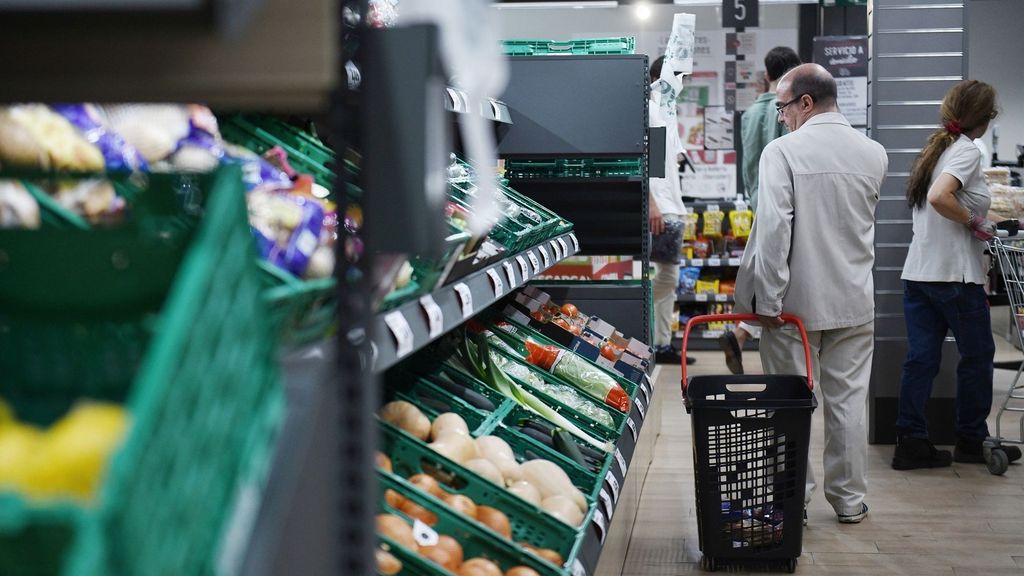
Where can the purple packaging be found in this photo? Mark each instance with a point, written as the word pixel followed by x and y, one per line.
pixel 303 241
pixel 118 154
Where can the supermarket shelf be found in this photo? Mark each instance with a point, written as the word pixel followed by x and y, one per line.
pixel 702 334
pixel 702 205
pixel 459 102
pixel 701 298
pixel 399 332
pixel 713 262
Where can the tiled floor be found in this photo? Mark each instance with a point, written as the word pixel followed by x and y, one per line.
pixel 952 521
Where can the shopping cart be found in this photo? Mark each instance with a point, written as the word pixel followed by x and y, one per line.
pixel 750 440
pixel 1010 255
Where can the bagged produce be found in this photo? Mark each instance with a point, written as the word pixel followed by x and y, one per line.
pixel 118 154
pixel 578 372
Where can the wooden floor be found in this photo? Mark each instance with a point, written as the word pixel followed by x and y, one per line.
pixel 953 521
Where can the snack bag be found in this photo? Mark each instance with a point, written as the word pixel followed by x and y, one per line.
pixel 740 221
pixel 713 220
pixel 690 226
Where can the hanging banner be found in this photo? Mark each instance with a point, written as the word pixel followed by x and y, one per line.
pixel 846 58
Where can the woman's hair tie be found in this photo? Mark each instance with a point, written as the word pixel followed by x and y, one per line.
pixel 953 127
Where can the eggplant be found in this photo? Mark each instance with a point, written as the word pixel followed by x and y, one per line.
pixel 472 397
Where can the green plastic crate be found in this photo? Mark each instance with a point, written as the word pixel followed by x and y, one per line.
pixel 168 321
pixel 433 401
pixel 301 311
pixel 427 273
pixel 529 523
pixel 476 539
pixel 575 168
pixel 594 46
pixel 260 134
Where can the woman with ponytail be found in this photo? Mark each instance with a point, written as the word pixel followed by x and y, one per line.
pixel 943 280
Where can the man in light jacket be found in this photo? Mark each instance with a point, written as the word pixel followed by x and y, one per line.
pixel 810 254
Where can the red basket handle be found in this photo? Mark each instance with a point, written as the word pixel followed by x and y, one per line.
pixel 786 318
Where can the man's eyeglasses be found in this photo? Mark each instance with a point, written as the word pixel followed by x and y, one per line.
pixel 780 107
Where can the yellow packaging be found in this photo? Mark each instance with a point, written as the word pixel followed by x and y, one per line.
pixel 690 226
pixel 706 286
pixel 713 223
pixel 740 221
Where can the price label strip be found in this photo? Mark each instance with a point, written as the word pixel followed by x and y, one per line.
pixel 640 408
pixel 565 248
pixel 401 331
pixel 466 298
pixel 534 262
pixel 609 508
pixel 522 268
pixel 621 461
pixel 435 317
pixel 602 525
pixel 578 569
pixel 496 283
pixel 700 297
pixel 697 262
pixel 632 427
pixel 544 255
pixel 558 250
pixel 510 272
pixel 714 262
pixel 647 393
pixel 613 483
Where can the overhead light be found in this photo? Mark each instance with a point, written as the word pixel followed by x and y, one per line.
pixel 577 5
pixel 643 11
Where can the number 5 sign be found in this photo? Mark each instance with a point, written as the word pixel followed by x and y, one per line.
pixel 739 13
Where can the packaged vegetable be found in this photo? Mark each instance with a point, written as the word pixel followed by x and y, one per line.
pixel 287 228
pixel 578 372
pixel 34 136
pixel 118 154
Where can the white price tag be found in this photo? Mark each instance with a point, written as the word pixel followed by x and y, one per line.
pixel 621 461
pixel 714 262
pixel 647 392
pixel 499 287
pixel 575 242
pixel 544 255
pixel 602 524
pixel 713 208
pixel 456 101
pixel 534 262
pixel 510 272
pixel 700 297
pixel 721 297
pixel 578 569
pixel 466 298
pixel 641 409
pixel 424 534
pixel 697 262
pixel 401 331
pixel 609 508
pixel 565 248
pixel 632 427
pixel 556 249
pixel 522 268
pixel 613 483
pixel 435 318
pixel 735 261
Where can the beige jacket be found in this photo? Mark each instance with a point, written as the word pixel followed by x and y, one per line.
pixel 811 249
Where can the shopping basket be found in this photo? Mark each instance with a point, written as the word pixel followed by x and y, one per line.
pixel 1010 255
pixel 750 439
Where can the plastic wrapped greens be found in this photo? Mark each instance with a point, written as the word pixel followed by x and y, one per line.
pixel 578 372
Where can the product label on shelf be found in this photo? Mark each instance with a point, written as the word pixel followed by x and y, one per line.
pixel 466 298
pixel 544 255
pixel 632 427
pixel 555 250
pixel 621 461
pixel 698 262
pixel 499 287
pixel 374 353
pixel 713 208
pixel 714 262
pixel 510 272
pixel 735 261
pixel 647 392
pixel 534 262
pixel 575 242
pixel 700 297
pixel 640 408
pixel 435 318
pixel 602 524
pixel 609 508
pixel 522 268
pixel 401 331
pixel 565 249
pixel 578 569
pixel 721 297
pixel 613 483
pixel 424 534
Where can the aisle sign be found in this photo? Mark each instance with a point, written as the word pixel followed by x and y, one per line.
pixel 740 13
pixel 846 58
pixel 435 318
pixel 466 297
pixel 402 332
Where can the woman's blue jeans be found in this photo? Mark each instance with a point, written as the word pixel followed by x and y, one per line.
pixel 930 309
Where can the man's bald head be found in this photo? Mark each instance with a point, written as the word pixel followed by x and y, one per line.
pixel 813 80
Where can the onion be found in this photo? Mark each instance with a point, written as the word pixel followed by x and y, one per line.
pixel 521 571
pixel 461 503
pixel 495 520
pixel 427 484
pixel 545 553
pixel 479 567
pixel 406 416
pixel 414 510
pixel 440 556
pixel 394 499
pixel 383 462
pixel 452 546
pixel 448 422
pixel 387 564
pixel 397 530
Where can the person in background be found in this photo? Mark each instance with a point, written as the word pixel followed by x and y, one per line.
pixel 811 254
pixel 943 282
pixel 759 125
pixel 666 205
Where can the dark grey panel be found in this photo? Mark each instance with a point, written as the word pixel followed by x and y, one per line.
pixel 902 43
pixel 895 187
pixel 888 280
pixel 892 233
pixel 901 161
pixel 901 137
pixel 889 303
pixel 890 256
pixel 911 90
pixel 902 67
pixel 903 114
pixel 892 326
pixel 887 367
pixel 576 105
pixel 620 305
pixel 921 18
pixel 885 6
pixel 892 208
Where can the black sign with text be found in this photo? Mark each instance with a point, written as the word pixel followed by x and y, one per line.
pixel 740 13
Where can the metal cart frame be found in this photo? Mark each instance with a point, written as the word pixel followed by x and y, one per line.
pixel 1010 255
